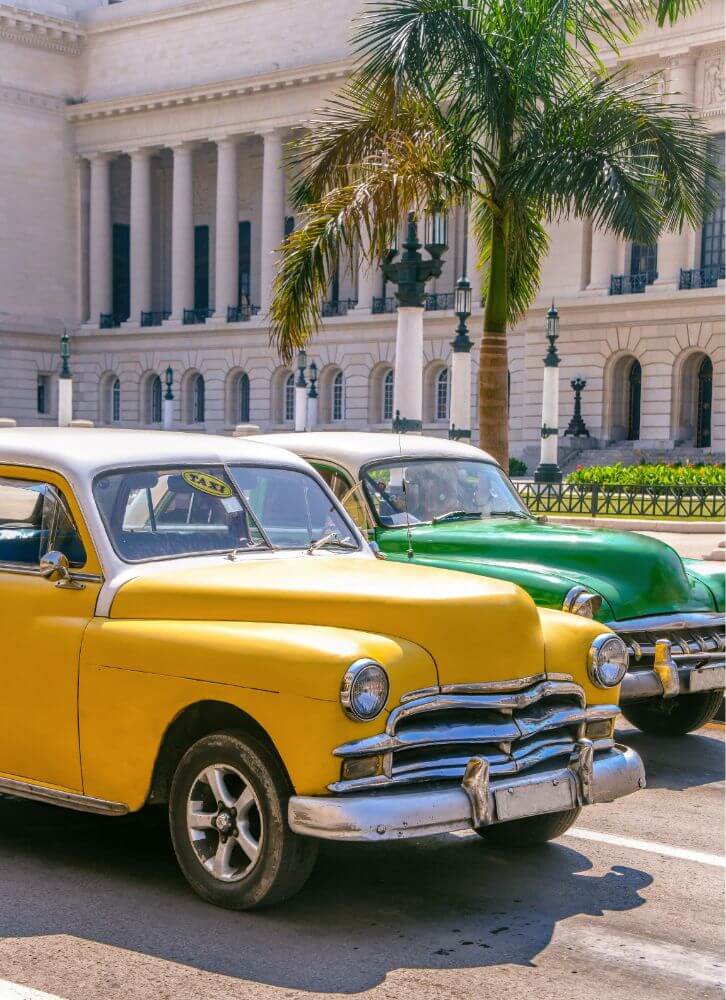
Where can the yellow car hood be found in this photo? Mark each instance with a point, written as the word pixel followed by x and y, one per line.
pixel 475 628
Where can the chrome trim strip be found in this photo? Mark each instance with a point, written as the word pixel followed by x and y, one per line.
pixel 20 570
pixel 396 815
pixel 55 797
pixel 640 684
pixel 694 620
pixel 484 687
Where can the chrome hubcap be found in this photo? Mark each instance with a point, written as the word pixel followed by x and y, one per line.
pixel 224 822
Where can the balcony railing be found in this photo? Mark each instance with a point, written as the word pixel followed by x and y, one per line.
pixel 630 284
pixel 241 314
pixel 439 301
pixel 337 307
pixel 192 316
pixel 154 318
pixel 387 305
pixel 701 277
pixel 107 321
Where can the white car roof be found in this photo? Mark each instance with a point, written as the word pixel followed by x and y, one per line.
pixel 79 454
pixel 353 449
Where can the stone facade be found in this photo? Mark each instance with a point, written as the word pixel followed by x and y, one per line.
pixel 140 134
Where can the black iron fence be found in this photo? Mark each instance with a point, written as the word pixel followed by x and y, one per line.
pixel 337 307
pixel 192 316
pixel 594 500
pixel 241 314
pixel 380 306
pixel 155 318
pixel 437 301
pixel 108 321
pixel 630 284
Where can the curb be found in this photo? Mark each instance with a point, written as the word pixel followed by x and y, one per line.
pixel 626 524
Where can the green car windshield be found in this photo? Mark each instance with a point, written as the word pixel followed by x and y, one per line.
pixel 426 490
pixel 161 513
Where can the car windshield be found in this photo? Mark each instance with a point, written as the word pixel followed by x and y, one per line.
pixel 426 490
pixel 157 513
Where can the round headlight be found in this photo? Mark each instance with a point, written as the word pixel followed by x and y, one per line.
pixel 364 690
pixel 607 661
pixel 579 601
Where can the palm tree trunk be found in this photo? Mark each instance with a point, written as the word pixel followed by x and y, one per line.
pixel 493 367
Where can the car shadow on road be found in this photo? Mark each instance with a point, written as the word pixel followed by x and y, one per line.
pixel 444 903
pixel 677 763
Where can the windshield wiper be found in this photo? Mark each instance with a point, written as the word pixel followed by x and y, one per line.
pixel 233 553
pixel 520 515
pixel 457 515
pixel 333 539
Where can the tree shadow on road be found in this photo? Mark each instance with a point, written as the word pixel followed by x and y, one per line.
pixel 444 903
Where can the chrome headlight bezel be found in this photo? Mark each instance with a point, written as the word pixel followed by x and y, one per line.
pixel 581 601
pixel 607 660
pixel 353 679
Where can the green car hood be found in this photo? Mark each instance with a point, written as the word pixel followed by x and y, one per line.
pixel 635 574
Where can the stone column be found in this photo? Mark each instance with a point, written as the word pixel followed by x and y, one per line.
pixel 273 213
pixel 65 400
pixel 674 248
pixel 460 406
pixel 226 283
pixel 369 282
pixel 604 260
pixel 182 232
pixel 140 235
pixel 99 238
pixel 408 370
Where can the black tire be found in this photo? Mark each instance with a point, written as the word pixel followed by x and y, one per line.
pixel 283 860
pixel 531 830
pixel 674 716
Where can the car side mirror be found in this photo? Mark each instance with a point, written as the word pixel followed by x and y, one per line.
pixel 55 566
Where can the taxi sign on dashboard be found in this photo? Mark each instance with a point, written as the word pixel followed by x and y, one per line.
pixel 205 483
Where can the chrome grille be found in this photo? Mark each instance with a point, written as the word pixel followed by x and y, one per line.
pixel 432 735
pixel 696 639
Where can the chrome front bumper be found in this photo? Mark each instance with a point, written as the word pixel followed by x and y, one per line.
pixel 589 778
pixel 669 678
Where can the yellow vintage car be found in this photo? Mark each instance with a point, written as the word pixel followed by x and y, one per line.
pixel 196 622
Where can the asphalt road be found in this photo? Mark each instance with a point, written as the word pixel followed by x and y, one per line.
pixel 690 546
pixel 94 908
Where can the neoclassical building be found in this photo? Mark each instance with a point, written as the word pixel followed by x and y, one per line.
pixel 143 193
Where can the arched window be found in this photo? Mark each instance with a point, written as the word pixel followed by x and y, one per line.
pixel 442 395
pixel 154 400
pixel 243 398
pixel 634 387
pixel 198 400
pixel 387 397
pixel 115 401
pixel 703 403
pixel 289 399
pixel 338 400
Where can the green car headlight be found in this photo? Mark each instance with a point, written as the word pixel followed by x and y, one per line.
pixel 364 690
pixel 580 601
pixel 607 660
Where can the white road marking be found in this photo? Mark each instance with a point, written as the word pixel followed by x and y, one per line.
pixel 13 991
pixel 664 957
pixel 667 850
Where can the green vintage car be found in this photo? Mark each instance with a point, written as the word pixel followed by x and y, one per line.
pixel 446 504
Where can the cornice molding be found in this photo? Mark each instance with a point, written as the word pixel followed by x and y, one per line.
pixel 103 20
pixel 30 99
pixel 40 31
pixel 204 93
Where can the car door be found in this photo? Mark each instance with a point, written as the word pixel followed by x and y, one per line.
pixel 42 624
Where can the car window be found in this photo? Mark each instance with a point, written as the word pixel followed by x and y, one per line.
pixel 34 518
pixel 341 486
pixel 154 513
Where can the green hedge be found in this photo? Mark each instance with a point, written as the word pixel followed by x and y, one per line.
pixel 667 474
pixel 517 467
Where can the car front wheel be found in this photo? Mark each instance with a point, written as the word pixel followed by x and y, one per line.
pixel 531 830
pixel 674 716
pixel 228 820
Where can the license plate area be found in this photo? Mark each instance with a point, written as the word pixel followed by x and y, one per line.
pixel 707 678
pixel 551 793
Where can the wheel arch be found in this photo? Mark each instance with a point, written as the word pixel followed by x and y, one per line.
pixel 195 721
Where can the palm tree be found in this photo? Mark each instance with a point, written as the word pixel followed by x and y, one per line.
pixel 503 104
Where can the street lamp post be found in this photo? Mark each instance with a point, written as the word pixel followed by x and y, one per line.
pixel 65 383
pixel 410 275
pixel 301 393
pixel 313 396
pixel 167 416
pixel 576 426
pixel 460 406
pixel 548 471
